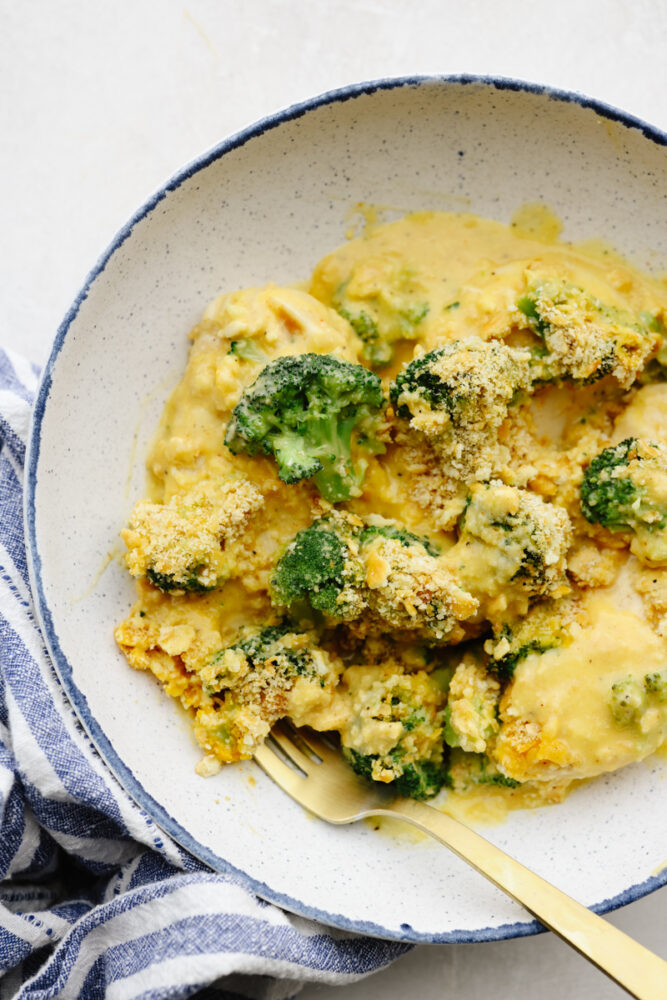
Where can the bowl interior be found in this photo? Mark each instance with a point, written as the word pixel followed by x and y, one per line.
pixel 266 206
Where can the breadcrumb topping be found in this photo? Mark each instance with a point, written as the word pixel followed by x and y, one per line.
pixel 185 539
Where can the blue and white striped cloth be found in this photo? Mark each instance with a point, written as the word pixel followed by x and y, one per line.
pixel 95 900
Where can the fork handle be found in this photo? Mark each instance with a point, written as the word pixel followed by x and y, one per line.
pixel 628 963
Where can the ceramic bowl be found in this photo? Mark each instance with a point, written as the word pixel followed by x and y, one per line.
pixel 266 205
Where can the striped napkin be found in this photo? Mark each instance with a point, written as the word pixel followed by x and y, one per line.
pixel 95 900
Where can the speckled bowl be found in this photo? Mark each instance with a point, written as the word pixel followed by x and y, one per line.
pixel 266 204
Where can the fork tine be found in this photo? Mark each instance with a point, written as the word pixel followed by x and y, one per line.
pixel 288 743
pixel 317 745
pixel 315 774
pixel 298 736
pixel 276 768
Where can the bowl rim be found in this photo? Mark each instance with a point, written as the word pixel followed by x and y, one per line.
pixel 63 670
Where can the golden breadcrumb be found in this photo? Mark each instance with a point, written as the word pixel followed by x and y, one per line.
pixel 185 539
pixel 472 706
pixel 407 589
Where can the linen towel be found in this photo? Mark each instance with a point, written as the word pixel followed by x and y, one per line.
pixel 95 900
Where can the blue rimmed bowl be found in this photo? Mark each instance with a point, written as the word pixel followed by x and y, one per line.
pixel 266 205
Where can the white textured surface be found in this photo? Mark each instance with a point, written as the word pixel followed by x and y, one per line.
pixel 101 102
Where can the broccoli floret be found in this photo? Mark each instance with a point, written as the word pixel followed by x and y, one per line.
pixel 402 714
pixel 376 351
pixel 656 369
pixel 458 395
pixel 608 493
pixel 248 350
pixel 383 304
pixel 183 545
pixel 409 590
pixel 369 579
pixel 656 684
pixel 511 548
pixel 582 338
pixel 420 781
pixel 470 770
pixel 615 490
pixel 544 627
pixel 467 381
pixel 627 700
pixel 378 347
pixel 416 781
pixel 361 764
pixel 625 489
pixel 268 643
pixel 632 696
pixel 291 654
pixel 248 687
pixel 192 580
pixel 505 665
pixel 400 534
pixel 309 411
pixel 471 715
pixel 321 569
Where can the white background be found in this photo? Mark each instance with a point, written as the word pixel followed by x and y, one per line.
pixel 101 101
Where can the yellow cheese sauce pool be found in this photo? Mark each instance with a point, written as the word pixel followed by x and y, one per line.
pixel 421 502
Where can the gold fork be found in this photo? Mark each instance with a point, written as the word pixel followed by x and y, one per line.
pixel 314 773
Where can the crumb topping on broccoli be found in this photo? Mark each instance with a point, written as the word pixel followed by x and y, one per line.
pixel 401 714
pixel 512 548
pixel 624 488
pixel 180 546
pixel 371 577
pixel 458 395
pixel 583 339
